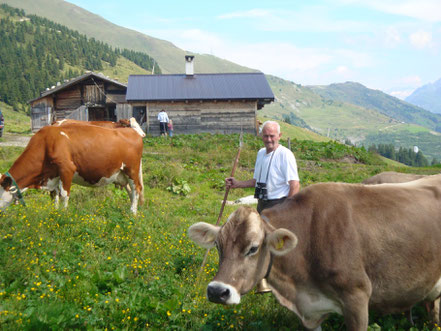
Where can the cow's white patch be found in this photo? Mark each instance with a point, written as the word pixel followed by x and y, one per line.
pixel 134 196
pixel 134 125
pixel 310 305
pixel 435 292
pixel 64 134
pixel 234 298
pixel 118 178
pixel 52 184
pixel 140 177
pixel 61 122
pixel 6 198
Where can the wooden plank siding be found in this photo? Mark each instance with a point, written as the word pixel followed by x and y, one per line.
pixel 93 94
pixel 91 98
pixel 68 99
pixel 208 116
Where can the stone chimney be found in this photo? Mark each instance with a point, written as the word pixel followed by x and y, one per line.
pixel 189 68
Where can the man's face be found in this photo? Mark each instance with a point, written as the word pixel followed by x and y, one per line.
pixel 270 137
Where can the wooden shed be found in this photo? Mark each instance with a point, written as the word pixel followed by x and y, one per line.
pixel 90 97
pixel 214 103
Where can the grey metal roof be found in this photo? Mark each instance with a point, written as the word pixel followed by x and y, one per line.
pixel 77 80
pixel 179 87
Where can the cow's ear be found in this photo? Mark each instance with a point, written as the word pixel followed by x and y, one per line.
pixel 203 234
pixel 281 241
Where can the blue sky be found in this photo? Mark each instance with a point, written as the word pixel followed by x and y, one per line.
pixel 390 45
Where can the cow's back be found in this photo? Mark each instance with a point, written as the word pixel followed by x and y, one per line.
pixel 391 177
pixel 94 151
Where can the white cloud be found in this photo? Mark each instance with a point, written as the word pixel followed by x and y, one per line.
pixel 405 86
pixel 252 13
pixel 354 58
pixel 421 39
pixel 401 94
pixel 342 70
pixel 194 40
pixel 412 81
pixel 309 19
pixel 425 10
pixel 392 37
pixel 283 59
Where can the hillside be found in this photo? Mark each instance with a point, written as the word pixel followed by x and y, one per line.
pixel 37 53
pixel 338 114
pixel 357 94
pixel 427 97
pixel 340 111
pixel 169 57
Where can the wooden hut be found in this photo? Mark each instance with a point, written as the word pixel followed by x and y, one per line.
pixel 90 97
pixel 214 103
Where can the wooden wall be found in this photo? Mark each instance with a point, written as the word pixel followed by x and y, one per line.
pixel 42 113
pixel 196 117
pixel 100 96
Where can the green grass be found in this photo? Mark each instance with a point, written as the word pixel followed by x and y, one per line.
pixel 95 266
pixel 123 69
pixel 15 122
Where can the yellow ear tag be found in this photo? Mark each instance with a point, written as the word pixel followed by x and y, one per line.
pixel 280 244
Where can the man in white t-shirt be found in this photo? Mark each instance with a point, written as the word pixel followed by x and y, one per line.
pixel 275 172
pixel 275 175
pixel 163 120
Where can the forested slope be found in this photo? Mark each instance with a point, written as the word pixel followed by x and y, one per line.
pixel 36 53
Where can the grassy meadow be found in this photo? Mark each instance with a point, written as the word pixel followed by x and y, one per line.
pixel 94 266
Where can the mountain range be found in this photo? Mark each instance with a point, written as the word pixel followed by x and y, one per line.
pixel 427 97
pixel 339 111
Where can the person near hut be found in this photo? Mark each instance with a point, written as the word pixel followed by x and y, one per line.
pixel 170 128
pixel 275 175
pixel 163 121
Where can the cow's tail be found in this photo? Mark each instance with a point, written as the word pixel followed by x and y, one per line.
pixel 141 193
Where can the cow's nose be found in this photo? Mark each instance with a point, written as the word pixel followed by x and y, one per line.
pixel 218 293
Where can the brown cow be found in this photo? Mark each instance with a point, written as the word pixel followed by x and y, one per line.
pixel 123 123
pixel 83 154
pixel 391 177
pixel 334 248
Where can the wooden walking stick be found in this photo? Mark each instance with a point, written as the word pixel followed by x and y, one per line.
pixel 227 190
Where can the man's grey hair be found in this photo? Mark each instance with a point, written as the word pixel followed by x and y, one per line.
pixel 271 123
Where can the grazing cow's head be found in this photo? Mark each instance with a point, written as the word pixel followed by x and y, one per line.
pixel 244 243
pixel 7 191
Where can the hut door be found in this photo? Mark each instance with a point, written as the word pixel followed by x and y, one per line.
pixel 139 114
pixel 98 114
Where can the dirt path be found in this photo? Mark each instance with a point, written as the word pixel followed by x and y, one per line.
pixel 9 139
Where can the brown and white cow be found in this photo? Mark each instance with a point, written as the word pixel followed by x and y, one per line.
pixel 123 123
pixel 334 248
pixel 86 155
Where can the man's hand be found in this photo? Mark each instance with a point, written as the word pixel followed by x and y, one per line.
pixel 230 182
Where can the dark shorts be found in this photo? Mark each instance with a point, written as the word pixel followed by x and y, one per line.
pixel 163 127
pixel 265 204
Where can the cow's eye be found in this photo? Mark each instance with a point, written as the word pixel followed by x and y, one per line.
pixel 252 251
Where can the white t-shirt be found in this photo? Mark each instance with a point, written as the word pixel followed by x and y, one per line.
pixel 163 117
pixel 283 169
